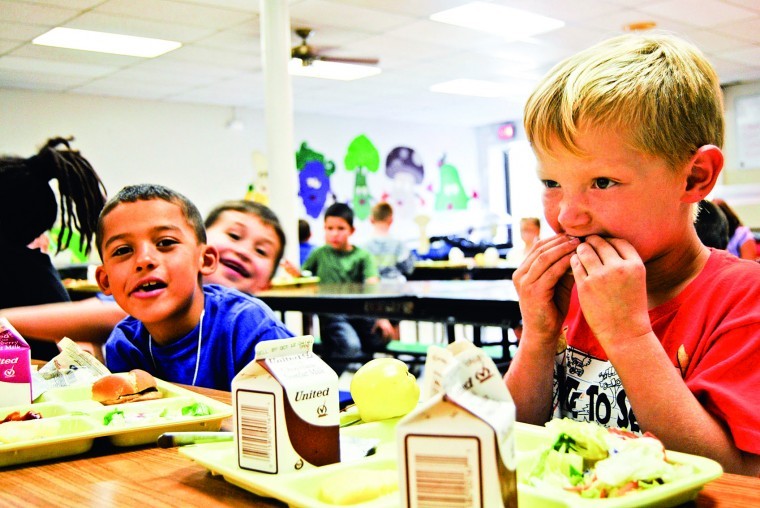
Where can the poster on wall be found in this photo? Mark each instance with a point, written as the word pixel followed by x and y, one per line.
pixel 748 131
pixel 362 157
pixel 314 172
pixel 404 168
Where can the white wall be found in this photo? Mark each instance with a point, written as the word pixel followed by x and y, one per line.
pixel 740 187
pixel 188 147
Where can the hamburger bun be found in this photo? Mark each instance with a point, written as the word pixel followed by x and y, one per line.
pixel 123 387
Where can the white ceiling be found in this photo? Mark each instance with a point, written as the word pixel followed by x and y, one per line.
pixel 220 62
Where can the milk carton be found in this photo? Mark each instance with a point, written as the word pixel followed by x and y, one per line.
pixel 457 448
pixel 286 411
pixel 15 367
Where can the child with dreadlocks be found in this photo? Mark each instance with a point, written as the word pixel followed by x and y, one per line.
pixel 30 208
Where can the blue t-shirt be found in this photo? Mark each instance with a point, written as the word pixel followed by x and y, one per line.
pixel 304 251
pixel 232 326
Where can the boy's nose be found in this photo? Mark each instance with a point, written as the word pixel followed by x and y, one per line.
pixel 573 214
pixel 146 258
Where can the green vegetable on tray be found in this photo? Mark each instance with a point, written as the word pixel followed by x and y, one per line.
pixel 196 409
pixel 117 416
pixel 597 462
pixel 109 417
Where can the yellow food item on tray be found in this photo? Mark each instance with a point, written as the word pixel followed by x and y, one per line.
pixel 358 485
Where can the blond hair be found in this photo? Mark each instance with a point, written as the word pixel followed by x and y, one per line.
pixel 658 88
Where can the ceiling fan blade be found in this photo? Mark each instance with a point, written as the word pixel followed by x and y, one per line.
pixel 349 60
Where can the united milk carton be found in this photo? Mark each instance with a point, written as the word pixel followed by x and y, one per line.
pixel 15 367
pixel 286 410
pixel 457 447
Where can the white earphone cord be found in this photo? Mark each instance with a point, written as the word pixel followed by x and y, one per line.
pixel 197 354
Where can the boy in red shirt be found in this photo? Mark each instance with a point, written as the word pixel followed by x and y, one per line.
pixel 628 320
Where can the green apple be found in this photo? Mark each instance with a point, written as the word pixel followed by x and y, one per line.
pixel 384 388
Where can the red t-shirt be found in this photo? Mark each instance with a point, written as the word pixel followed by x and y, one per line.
pixel 714 321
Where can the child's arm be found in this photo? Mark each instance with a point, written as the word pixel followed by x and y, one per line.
pixel 90 320
pixel 611 282
pixel 289 267
pixel 543 285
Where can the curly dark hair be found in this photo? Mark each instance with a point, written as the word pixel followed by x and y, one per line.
pixel 28 194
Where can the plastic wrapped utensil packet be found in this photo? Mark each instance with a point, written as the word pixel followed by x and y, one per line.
pixel 72 366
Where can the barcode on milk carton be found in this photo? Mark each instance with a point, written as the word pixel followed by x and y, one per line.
pixel 443 472
pixel 257 430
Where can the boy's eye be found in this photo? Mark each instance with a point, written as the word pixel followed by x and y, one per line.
pixel 262 252
pixel 121 251
pixel 166 242
pixel 234 236
pixel 603 183
pixel 550 184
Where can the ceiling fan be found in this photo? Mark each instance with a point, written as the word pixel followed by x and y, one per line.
pixel 309 54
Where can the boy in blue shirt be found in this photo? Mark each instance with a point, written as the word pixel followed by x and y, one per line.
pixel 153 246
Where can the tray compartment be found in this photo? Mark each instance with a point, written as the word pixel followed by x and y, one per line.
pixel 46 438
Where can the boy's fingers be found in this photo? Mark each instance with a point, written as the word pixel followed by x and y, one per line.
pixel 624 249
pixel 608 249
pixel 579 271
pixel 589 256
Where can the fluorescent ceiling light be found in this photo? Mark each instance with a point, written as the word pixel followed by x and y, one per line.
pixel 331 70
pixel 103 42
pixel 498 19
pixel 477 88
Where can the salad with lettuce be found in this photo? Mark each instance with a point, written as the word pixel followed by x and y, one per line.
pixel 597 462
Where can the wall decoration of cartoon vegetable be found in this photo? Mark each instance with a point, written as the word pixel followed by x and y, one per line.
pixel 451 195
pixel 405 169
pixel 314 172
pixel 362 156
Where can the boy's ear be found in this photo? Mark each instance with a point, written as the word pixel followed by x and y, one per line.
pixel 702 173
pixel 103 283
pixel 209 259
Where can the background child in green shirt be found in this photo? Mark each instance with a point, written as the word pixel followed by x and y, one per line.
pixel 345 340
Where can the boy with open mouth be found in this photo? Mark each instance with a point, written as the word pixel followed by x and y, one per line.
pixel 153 246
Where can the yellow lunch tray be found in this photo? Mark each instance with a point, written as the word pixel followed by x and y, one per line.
pixel 300 490
pixel 80 285
pixel 71 421
pixel 286 282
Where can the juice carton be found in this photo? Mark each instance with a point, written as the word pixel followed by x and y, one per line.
pixel 286 411
pixel 15 367
pixel 457 448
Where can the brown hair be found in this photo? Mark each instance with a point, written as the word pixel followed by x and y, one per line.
pixel 733 219
pixel 148 192
pixel 264 213
pixel 382 211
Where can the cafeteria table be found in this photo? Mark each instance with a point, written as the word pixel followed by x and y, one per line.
pixel 446 270
pixel 450 302
pixel 108 476
pixel 478 303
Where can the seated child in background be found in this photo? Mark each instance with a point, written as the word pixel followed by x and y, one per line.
pixel 394 261
pixel 346 339
pixel 628 320
pixel 153 245
pixel 530 231
pixel 711 225
pixel 304 235
pixel 741 243
pixel 250 242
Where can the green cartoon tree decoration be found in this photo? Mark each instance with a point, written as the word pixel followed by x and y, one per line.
pixel 451 195
pixel 362 156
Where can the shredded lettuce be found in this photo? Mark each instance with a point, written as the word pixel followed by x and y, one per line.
pixel 196 409
pixel 596 463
